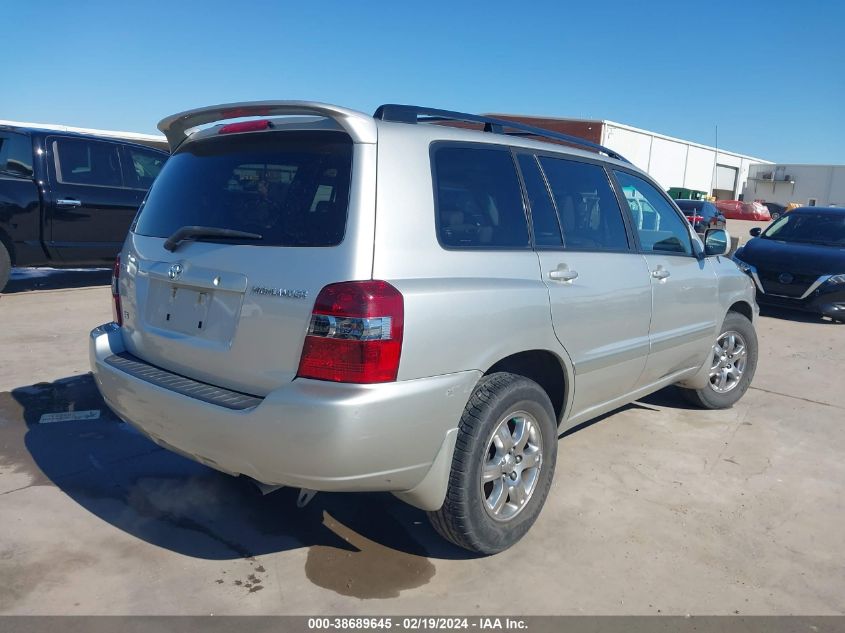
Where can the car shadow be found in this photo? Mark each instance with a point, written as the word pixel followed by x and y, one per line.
pixel 670 397
pixel 28 279
pixel 121 477
pixel 364 544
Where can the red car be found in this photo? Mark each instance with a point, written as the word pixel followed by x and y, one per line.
pixel 738 210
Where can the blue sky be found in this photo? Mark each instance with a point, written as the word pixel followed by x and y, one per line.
pixel 771 75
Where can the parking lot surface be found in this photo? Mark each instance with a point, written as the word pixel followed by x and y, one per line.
pixel 657 508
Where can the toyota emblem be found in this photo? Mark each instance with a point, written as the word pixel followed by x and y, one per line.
pixel 175 271
pixel 785 278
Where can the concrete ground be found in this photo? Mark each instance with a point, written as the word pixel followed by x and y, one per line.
pixel 656 508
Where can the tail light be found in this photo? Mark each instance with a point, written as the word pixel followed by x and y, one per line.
pixel 355 333
pixel 117 315
pixel 245 126
pixel 696 219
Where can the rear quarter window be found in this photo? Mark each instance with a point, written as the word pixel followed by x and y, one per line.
pixel 292 188
pixel 478 199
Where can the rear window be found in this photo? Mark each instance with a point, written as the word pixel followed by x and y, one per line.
pixel 689 207
pixel 292 188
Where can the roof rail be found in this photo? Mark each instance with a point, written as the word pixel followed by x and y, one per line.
pixel 411 114
pixel 359 126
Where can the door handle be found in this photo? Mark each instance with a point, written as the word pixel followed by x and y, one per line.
pixel 660 273
pixel 68 202
pixel 562 273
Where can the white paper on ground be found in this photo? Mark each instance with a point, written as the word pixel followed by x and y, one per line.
pixel 69 416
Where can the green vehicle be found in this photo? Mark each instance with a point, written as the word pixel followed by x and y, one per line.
pixel 680 193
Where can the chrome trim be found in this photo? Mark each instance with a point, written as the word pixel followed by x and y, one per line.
pixel 174 272
pixel 105 328
pixel 351 328
pixel 813 286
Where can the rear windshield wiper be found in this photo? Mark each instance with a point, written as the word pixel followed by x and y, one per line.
pixel 199 232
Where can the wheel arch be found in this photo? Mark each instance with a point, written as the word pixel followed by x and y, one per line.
pixel 545 368
pixel 744 308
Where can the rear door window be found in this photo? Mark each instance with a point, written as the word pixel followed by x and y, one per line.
pixel 292 188
pixel 84 162
pixel 588 209
pixel 479 200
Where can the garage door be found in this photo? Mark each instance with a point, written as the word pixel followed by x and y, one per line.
pixel 726 178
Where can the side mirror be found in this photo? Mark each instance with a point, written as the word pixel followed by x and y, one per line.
pixel 716 242
pixel 755 232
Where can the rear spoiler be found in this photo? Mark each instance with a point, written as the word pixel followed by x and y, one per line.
pixel 361 127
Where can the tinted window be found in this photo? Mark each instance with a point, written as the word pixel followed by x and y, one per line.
pixel 141 167
pixel 15 153
pixel 817 228
pixel 543 217
pixel 85 162
pixel 479 203
pixel 588 210
pixel 689 206
pixel 659 226
pixel 708 211
pixel 292 188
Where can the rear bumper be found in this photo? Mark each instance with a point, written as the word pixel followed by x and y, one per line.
pixel 309 433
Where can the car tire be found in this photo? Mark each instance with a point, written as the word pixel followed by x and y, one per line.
pixel 5 266
pixel 775 216
pixel 728 380
pixel 492 498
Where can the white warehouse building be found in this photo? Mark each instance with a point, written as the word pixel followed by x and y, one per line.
pixel 672 162
pixel 810 185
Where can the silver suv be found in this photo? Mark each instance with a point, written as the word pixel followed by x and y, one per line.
pixel 418 301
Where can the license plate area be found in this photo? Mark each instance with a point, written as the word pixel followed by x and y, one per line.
pixel 184 310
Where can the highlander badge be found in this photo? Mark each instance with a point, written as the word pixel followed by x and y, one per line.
pixel 785 278
pixel 280 292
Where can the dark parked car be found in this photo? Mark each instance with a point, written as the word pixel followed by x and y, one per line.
pixel 702 215
pixel 68 199
pixel 799 261
pixel 775 210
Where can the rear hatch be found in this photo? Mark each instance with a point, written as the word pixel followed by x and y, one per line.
pixel 234 311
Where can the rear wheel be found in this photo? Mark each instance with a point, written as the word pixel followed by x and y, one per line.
pixel 775 215
pixel 502 467
pixel 5 266
pixel 733 361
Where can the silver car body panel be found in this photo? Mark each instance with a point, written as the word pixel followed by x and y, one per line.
pixel 617 331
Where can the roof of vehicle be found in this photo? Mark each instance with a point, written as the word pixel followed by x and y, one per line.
pixel 360 126
pixel 151 141
pixel 837 210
